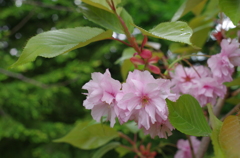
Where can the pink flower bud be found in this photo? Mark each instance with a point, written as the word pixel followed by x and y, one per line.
pixel 154 69
pixel 153 60
pixel 146 54
pixel 137 61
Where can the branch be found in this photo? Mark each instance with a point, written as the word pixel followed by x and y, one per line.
pixel 22 22
pixel 34 82
pixel 234 110
pixel 206 140
pixel 39 4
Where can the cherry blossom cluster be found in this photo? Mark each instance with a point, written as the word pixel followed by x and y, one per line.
pixel 207 84
pixel 141 99
pixel 184 148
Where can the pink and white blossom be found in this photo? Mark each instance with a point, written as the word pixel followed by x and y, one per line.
pixel 198 82
pixel 184 148
pixel 222 64
pixel 143 100
pixel 101 96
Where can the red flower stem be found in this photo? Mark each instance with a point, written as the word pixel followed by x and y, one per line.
pixel 131 39
pixel 120 41
pixel 134 149
pixel 127 138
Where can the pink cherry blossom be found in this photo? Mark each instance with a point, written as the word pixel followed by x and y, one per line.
pixel 184 149
pixel 198 82
pixel 143 100
pixel 222 64
pixel 162 130
pixel 101 96
pixel 207 90
pixel 184 78
pixel 221 67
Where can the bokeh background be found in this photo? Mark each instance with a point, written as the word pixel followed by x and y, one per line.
pixel 41 101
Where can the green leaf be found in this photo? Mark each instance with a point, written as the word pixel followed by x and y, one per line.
pixel 106 19
pixel 103 150
pixel 235 82
pixel 53 43
pixel 216 126
pixel 122 151
pixel 233 100
pixel 85 136
pixel 187 6
pixel 186 115
pixel 177 31
pixel 127 54
pixel 232 9
pixel 132 126
pixel 102 4
pixel 201 26
pixel 198 9
pixel 125 68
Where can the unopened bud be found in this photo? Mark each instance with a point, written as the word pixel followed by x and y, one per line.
pixel 153 60
pixel 154 69
pixel 137 61
pixel 146 54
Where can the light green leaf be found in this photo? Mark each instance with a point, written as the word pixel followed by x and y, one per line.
pixel 186 115
pixel 102 4
pixel 201 26
pixel 53 43
pixel 106 19
pixel 103 150
pixel 85 136
pixel 132 126
pixel 198 9
pixel 216 126
pixel 187 6
pixel 127 54
pixel 235 82
pixel 125 68
pixel 122 151
pixel 232 9
pixel 179 48
pixel 177 31
pixel 233 100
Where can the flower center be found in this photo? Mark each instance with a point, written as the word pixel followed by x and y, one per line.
pixel 187 78
pixel 145 100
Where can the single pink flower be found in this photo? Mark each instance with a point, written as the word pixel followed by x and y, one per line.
pixel 143 99
pixel 162 130
pixel 207 90
pixel 222 64
pixel 101 96
pixel 184 149
pixel 221 67
pixel 184 77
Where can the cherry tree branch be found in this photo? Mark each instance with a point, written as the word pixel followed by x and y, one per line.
pixel 35 82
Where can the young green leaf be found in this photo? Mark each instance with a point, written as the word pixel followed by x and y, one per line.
pixel 53 43
pixel 177 31
pixel 103 150
pixel 106 19
pixel 186 115
pixel 235 82
pixel 232 9
pixel 229 136
pixel 216 126
pixel 187 6
pixel 127 54
pixel 85 136
pixel 102 4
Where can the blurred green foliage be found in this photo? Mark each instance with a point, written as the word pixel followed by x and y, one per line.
pixel 32 114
